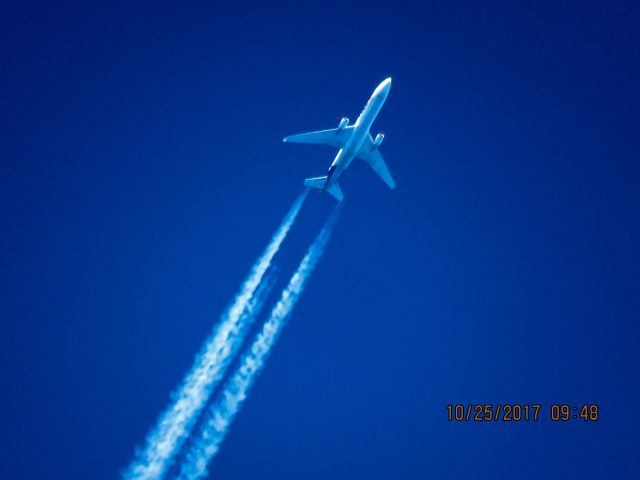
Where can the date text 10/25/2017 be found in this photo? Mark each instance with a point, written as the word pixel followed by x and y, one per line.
pixel 515 412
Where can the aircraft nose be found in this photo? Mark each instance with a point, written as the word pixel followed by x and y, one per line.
pixel 384 87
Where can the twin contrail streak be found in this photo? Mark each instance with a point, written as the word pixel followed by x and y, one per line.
pixel 175 423
pixel 218 419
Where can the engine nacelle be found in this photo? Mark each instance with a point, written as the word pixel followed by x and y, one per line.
pixel 378 140
pixel 344 121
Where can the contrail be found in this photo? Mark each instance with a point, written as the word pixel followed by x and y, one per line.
pixel 219 417
pixel 174 424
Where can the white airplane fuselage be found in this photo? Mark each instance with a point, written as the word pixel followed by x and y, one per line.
pixel 351 141
pixel 360 132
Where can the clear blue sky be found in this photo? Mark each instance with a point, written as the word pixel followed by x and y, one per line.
pixel 143 172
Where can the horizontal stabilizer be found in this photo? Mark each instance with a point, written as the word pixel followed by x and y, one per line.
pixel 321 182
pixel 317 182
pixel 334 189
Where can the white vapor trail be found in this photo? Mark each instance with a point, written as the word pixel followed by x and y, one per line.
pixel 220 415
pixel 176 421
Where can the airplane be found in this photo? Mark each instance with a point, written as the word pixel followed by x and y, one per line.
pixel 352 141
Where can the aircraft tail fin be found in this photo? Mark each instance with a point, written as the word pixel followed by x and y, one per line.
pixel 321 182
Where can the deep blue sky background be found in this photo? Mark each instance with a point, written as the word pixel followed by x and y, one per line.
pixel 143 172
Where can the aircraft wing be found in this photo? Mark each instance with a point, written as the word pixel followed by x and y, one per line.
pixel 336 137
pixel 371 154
